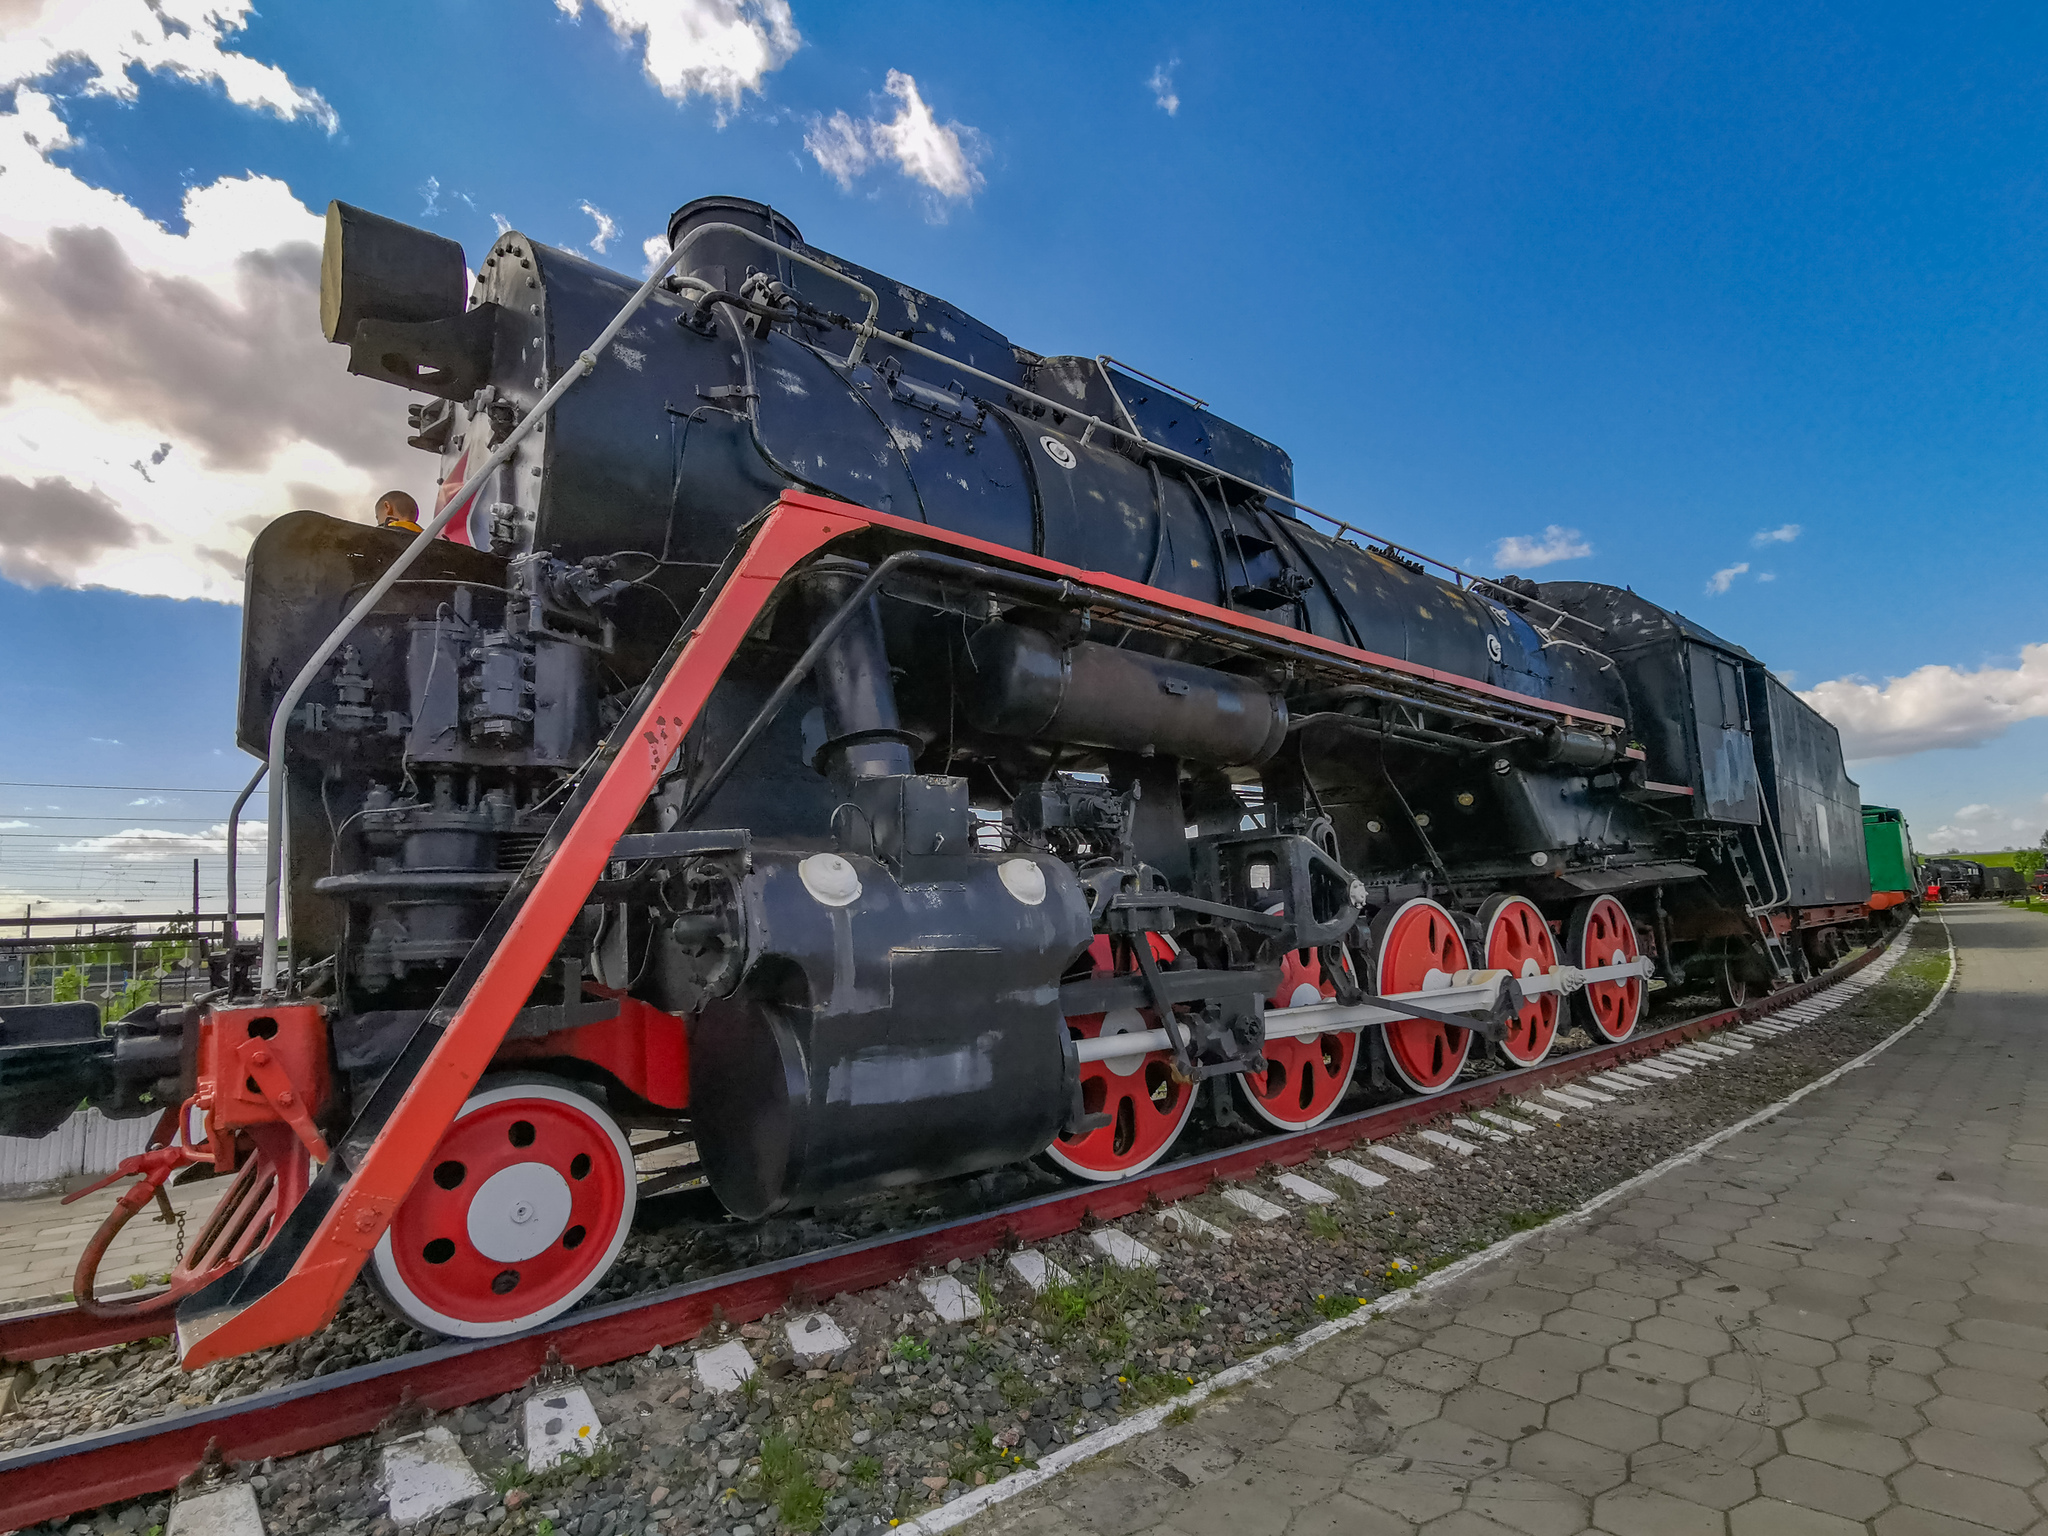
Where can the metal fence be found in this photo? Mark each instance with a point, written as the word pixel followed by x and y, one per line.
pixel 118 965
pixel 85 1146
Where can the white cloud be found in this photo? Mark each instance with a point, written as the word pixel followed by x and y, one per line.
pixel 942 157
pixel 1161 87
pixel 118 338
pixel 655 248
pixel 1724 578
pixel 1934 706
pixel 186 38
pixel 1783 534
pixel 502 222
pixel 1973 813
pixel 840 146
pixel 1766 575
pixel 716 48
pixel 430 198
pixel 1520 552
pixel 606 228
pixel 151 845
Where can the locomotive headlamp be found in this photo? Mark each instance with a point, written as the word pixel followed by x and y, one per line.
pixel 1465 798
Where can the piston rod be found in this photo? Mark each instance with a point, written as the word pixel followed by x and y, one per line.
pixel 1468 992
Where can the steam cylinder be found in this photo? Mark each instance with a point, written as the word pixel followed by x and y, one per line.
pixel 1025 683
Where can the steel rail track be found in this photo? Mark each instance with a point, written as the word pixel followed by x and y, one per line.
pixel 65 1476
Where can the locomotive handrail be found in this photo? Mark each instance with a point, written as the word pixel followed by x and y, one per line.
pixel 868 330
pixel 288 703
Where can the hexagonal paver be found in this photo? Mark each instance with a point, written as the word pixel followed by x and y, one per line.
pixel 1816 1485
pixel 1544 1366
pixel 1691 1338
pixel 1528 1504
pixel 1395 1402
pixel 1413 1493
pixel 1810 1321
pixel 1862 1410
pixel 1574 1464
pixel 1980 1330
pixel 1858 1449
pixel 1587 1327
pixel 1602 1423
pixel 1427 1369
pixel 1993 1357
pixel 1774 1517
pixel 1999 1460
pixel 1741 1400
pixel 1494 1412
pixel 1611 1303
pixel 1728 1437
pixel 1993 1387
pixel 1696 1476
pixel 1990 1420
pixel 1905 1520
pixel 1636 1511
pixel 1658 1360
pixel 1632 1389
pixel 1960 1496
pixel 1452 1447
pixel 1461 1341
pixel 1343 1515
pixel 1797 1348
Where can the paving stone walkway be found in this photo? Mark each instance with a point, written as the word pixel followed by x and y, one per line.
pixel 1836 1323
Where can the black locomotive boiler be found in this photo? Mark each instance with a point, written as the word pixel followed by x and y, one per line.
pixel 1068 778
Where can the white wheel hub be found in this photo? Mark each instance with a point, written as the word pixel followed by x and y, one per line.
pixel 1123 1021
pixel 519 1212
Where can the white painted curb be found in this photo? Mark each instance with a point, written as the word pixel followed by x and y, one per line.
pixel 974 1502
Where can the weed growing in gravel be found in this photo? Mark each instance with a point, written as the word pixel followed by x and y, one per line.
pixel 784 1481
pixel 1184 1414
pixel 1154 1387
pixel 910 1348
pixel 1529 1221
pixel 600 1461
pixel 1099 1296
pixel 865 1470
pixel 1324 1224
pixel 1016 1388
pixel 1334 1307
pixel 985 1293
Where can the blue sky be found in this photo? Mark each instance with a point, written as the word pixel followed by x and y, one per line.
pixel 1647 283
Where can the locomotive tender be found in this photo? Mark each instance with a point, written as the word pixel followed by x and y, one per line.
pixel 848 743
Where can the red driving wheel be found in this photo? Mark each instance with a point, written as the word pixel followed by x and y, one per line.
pixel 1417 948
pixel 523 1207
pixel 1304 1078
pixel 1602 935
pixel 1519 942
pixel 1146 1107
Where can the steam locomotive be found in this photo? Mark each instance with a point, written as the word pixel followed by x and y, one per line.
pixel 844 742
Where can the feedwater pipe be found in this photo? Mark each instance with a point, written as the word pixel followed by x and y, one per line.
pixel 280 721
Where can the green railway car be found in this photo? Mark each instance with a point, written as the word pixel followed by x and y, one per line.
pixel 1888 844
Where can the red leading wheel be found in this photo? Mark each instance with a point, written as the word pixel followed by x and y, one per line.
pixel 1304 1078
pixel 1519 942
pixel 1602 935
pixel 1146 1107
pixel 1417 948
pixel 526 1203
